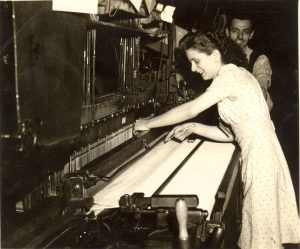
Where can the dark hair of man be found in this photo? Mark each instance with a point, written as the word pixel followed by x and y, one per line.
pixel 208 42
pixel 240 16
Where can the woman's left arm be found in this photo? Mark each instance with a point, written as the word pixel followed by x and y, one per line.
pixel 215 133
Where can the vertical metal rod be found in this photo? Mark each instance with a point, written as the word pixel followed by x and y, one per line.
pixel 88 69
pixel 124 64
pixel 121 65
pixel 131 64
pixel 94 65
pixel 18 112
pixel 84 78
pixel 137 39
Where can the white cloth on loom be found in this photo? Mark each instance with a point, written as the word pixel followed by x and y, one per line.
pixel 142 175
pixel 201 175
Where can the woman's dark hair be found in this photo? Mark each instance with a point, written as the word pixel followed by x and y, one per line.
pixel 208 42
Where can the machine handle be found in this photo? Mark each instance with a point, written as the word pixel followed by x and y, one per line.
pixel 181 210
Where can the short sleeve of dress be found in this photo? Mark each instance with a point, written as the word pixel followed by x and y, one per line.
pixel 224 86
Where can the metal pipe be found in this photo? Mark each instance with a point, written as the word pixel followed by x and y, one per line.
pixel 18 112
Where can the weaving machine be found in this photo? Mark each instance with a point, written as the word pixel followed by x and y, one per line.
pixel 74 173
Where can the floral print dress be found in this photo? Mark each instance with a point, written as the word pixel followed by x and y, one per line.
pixel 269 215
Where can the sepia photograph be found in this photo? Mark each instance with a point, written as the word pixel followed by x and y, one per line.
pixel 149 124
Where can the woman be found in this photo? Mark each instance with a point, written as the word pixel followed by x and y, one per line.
pixel 270 216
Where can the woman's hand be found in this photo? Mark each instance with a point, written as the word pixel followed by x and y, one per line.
pixel 140 125
pixel 181 132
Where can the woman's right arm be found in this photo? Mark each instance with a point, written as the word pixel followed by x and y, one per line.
pixel 180 113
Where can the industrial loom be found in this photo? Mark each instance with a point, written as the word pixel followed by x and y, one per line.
pixel 73 173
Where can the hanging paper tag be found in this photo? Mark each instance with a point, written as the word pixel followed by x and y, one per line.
pixel 80 6
pixel 167 14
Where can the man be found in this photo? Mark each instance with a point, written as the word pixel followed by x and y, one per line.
pixel 240 30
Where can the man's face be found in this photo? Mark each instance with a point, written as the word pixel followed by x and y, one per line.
pixel 240 31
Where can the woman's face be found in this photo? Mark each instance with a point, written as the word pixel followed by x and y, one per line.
pixel 206 65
